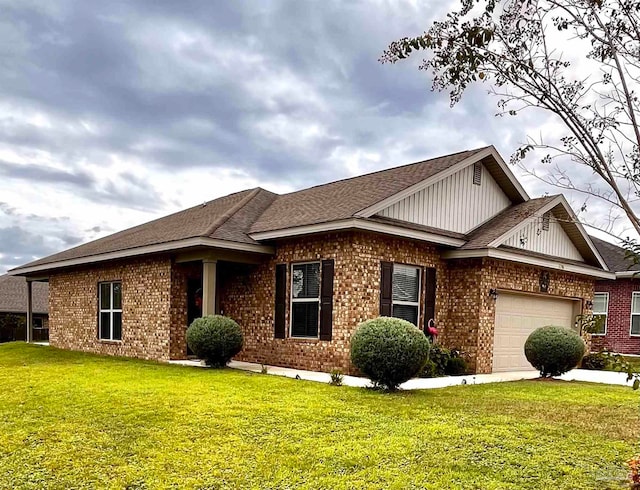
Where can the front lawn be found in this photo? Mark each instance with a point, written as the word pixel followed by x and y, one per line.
pixel 70 420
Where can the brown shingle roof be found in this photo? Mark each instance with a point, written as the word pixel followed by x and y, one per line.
pixel 614 256
pixel 344 198
pixel 13 295
pixel 226 218
pixel 482 236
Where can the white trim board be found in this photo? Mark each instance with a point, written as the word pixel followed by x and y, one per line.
pixel 149 249
pixel 359 224
pixel 526 259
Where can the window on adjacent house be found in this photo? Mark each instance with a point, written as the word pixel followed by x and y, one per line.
pixel 600 309
pixel 635 313
pixel 305 299
pixel 406 293
pixel 38 323
pixel 110 317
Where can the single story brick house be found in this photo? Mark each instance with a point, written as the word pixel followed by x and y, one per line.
pixel 617 302
pixel 454 241
pixel 13 309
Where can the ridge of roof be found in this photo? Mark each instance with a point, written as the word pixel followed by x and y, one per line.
pixel 233 210
pixel 384 170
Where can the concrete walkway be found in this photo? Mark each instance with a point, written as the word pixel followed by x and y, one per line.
pixel 605 377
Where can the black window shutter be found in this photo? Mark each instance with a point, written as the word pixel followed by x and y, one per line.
pixel 430 295
pixel 386 288
pixel 326 300
pixel 281 294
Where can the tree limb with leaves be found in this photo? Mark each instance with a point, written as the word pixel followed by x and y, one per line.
pixel 517 46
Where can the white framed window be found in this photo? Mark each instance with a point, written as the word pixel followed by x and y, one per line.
pixel 635 314
pixel 600 311
pixel 305 299
pixel 110 315
pixel 406 289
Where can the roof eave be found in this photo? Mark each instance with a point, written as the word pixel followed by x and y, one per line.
pixel 149 249
pixel 530 260
pixel 358 224
pixel 628 275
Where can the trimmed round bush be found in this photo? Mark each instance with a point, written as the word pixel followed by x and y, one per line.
pixel 215 339
pixel 389 351
pixel 554 350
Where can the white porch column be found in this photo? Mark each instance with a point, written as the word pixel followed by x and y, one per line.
pixel 29 336
pixel 208 287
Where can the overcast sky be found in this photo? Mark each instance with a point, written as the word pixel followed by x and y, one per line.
pixel 115 113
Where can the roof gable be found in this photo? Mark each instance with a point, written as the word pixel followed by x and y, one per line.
pixel 459 203
pixel 347 198
pixel 522 227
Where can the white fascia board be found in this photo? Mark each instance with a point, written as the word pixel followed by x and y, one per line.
pixel 359 224
pixel 525 259
pixel 523 224
pixel 489 151
pixel 628 275
pixel 150 249
pixel 584 233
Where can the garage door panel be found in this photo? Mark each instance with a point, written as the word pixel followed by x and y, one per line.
pixel 517 315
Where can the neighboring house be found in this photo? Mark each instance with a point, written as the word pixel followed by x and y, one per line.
pixel 617 302
pixel 13 309
pixel 452 240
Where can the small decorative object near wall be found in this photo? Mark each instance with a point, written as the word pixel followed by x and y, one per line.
pixel 493 293
pixel 544 281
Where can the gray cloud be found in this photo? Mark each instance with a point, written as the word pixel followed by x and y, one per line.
pixel 98 100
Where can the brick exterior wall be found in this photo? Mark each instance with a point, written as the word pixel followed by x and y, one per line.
pixel 146 300
pixel 510 276
pixel 250 298
pixel 155 300
pixel 618 337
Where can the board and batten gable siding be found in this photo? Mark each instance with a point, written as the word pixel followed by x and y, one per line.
pixel 554 241
pixel 454 203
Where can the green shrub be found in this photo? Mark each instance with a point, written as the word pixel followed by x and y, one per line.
pixel 597 361
pixel 554 350
pixel 389 351
pixel 443 362
pixel 456 366
pixel 336 377
pixel 215 339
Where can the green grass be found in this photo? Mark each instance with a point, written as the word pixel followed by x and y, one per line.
pixel 71 420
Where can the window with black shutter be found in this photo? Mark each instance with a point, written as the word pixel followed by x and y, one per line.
pixel 305 299
pixel 406 292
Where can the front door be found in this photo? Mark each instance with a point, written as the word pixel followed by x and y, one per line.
pixel 194 303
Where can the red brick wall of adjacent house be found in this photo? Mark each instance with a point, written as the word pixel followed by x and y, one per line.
pixel 618 337
pixel 146 301
pixel 250 299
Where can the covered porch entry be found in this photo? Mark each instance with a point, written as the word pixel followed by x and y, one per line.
pixel 202 284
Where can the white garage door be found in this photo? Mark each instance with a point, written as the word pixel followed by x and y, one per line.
pixel 517 315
